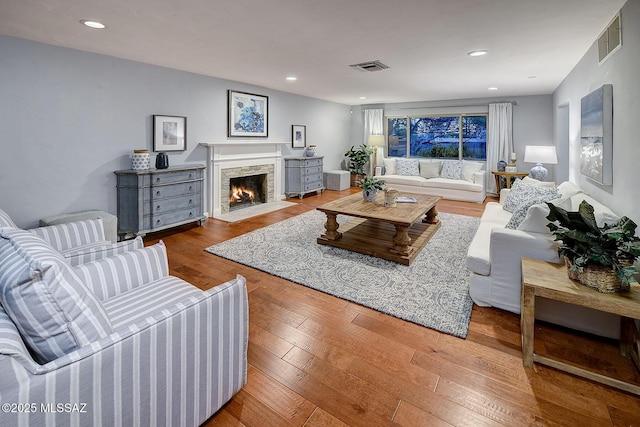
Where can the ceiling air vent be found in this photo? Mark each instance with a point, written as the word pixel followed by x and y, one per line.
pixel 610 39
pixel 370 66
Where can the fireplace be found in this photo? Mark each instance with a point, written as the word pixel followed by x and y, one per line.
pixel 257 182
pixel 246 191
pixel 228 160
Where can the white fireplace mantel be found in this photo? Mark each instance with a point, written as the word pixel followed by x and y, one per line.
pixel 231 154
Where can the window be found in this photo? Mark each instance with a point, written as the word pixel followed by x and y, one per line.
pixel 448 137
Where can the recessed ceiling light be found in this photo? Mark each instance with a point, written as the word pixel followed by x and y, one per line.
pixel 292 78
pixel 532 77
pixel 363 97
pixel 492 88
pixel 92 24
pixel 479 52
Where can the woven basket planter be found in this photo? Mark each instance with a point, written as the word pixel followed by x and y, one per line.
pixel 602 279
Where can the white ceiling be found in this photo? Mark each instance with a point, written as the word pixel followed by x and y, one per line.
pixel 532 44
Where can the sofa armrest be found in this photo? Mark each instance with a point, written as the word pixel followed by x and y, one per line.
pixel 100 250
pixel 479 177
pixel 153 368
pixel 64 237
pixel 114 275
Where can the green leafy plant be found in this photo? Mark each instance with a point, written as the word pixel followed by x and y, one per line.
pixel 371 183
pixel 583 242
pixel 358 158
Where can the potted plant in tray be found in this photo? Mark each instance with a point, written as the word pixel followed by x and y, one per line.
pixel 357 159
pixel 599 257
pixel 370 186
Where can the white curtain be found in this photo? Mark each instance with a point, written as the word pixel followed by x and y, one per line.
pixel 499 139
pixel 374 125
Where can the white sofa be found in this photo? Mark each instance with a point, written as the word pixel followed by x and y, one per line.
pixel 427 179
pixel 494 258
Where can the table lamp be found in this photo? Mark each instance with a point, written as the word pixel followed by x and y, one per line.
pixel 375 141
pixel 540 154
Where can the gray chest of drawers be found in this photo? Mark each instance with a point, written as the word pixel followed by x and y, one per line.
pixel 157 199
pixel 303 175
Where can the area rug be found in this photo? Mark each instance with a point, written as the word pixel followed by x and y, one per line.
pixel 433 291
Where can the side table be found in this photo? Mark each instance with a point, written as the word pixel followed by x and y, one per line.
pixel 508 176
pixel 550 280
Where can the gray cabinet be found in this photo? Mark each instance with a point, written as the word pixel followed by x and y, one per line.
pixel 157 199
pixel 303 175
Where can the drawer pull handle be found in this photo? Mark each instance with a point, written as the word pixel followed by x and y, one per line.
pixel 190 188
pixel 158 179
pixel 158 222
pixel 190 201
pixel 190 176
pixel 190 214
pixel 157 193
pixel 158 207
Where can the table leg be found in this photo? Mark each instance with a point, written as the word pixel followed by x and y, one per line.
pixel 332 228
pixel 497 183
pixel 527 320
pixel 401 241
pixel 431 216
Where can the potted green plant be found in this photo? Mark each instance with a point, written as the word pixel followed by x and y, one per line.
pixel 370 186
pixel 599 257
pixel 358 157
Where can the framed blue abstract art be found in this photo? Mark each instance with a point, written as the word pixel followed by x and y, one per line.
pixel 248 114
pixel 596 135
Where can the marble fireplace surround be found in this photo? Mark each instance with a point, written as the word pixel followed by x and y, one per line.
pixel 228 159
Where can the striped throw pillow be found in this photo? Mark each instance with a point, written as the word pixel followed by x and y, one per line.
pixel 53 310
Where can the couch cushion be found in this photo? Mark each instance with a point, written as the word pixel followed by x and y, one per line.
pixel 520 212
pixel 430 169
pixel 536 220
pixel 603 214
pixel 6 221
pixel 531 181
pixel 408 167
pixel 53 310
pixel 469 169
pixel 451 169
pixel 389 166
pixel 454 184
pixel 403 180
pixel 568 189
pixel 523 194
pixel 136 304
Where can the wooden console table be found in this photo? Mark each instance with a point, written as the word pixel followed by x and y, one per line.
pixel 550 280
pixel 508 176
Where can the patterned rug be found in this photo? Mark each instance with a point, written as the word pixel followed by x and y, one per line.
pixel 433 291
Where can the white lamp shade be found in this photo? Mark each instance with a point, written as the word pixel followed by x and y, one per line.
pixel 376 140
pixel 541 154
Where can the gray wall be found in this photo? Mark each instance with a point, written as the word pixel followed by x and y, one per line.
pixel 70 118
pixel 620 70
pixel 532 120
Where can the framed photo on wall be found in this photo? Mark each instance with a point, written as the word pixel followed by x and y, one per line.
pixel 248 114
pixel 298 136
pixel 169 133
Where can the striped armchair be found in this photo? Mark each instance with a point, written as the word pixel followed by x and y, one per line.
pixel 132 345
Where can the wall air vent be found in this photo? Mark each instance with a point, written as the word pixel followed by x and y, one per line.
pixel 370 66
pixel 610 39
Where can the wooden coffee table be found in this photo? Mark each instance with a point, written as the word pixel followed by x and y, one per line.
pixel 396 234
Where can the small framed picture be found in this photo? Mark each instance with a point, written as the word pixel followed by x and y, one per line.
pixel 169 133
pixel 248 114
pixel 298 136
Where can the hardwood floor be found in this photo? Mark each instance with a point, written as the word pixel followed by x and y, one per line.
pixel 316 360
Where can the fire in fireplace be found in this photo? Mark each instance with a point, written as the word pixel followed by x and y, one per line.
pixel 247 191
